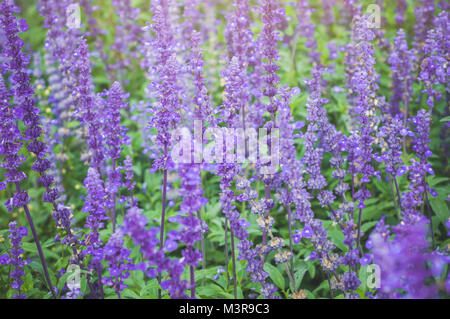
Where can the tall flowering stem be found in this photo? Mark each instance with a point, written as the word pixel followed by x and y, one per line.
pixel 166 108
pixel 88 103
pixel 270 16
pixel 434 68
pixel 234 78
pixel 119 262
pixel 116 138
pixel 192 229
pixel 418 169
pixel 25 110
pixel 239 39
pixel 402 62
pixel 320 131
pixel 14 258
pixel 362 82
pixel 400 10
pixel 95 206
pixel 89 107
pixel 424 14
pixel 155 261
pixel 393 132
pixel 128 35
pixel 306 29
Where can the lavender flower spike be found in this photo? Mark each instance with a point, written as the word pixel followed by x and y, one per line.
pixel 15 258
pixel 25 111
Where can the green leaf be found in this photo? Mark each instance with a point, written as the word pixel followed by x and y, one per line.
pixel 205 273
pixel 440 208
pixel 83 285
pixel 213 291
pixel 323 286
pixel 366 226
pixel 240 295
pixel 311 269
pixel 300 270
pixel 152 284
pixel 433 180
pixel 130 294
pixel 275 275
pixel 362 275
pixel 445 119
pixel 338 237
pixel 62 281
pixel 28 282
pixel 206 292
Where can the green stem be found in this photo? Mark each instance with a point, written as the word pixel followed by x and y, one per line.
pixel 226 252
pixel 233 260
pixel 38 246
pixel 163 215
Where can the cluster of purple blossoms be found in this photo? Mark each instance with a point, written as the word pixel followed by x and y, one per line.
pixel 363 86
pixel 393 132
pixel 15 258
pixel 234 78
pixel 128 35
pixel 242 79
pixel 58 59
pixel 24 109
pixel 191 227
pixel 192 16
pixel 296 192
pixel 270 16
pixel 10 141
pixel 95 206
pixel 328 14
pixel 351 10
pixel 424 15
pixel 58 39
pixel 403 260
pixel 238 34
pixel 115 136
pixel 94 31
pixel 166 107
pixel 129 182
pixel 418 188
pixel 60 44
pixel 316 118
pixel 252 88
pixel 114 133
pixel 321 132
pixel 434 68
pixel 402 62
pixel 306 29
pixel 88 103
pixel 63 217
pixel 155 260
pixel 422 122
pixel 117 258
pixel 248 52
pixel 400 10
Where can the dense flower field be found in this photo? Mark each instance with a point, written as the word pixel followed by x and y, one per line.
pixel 224 149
